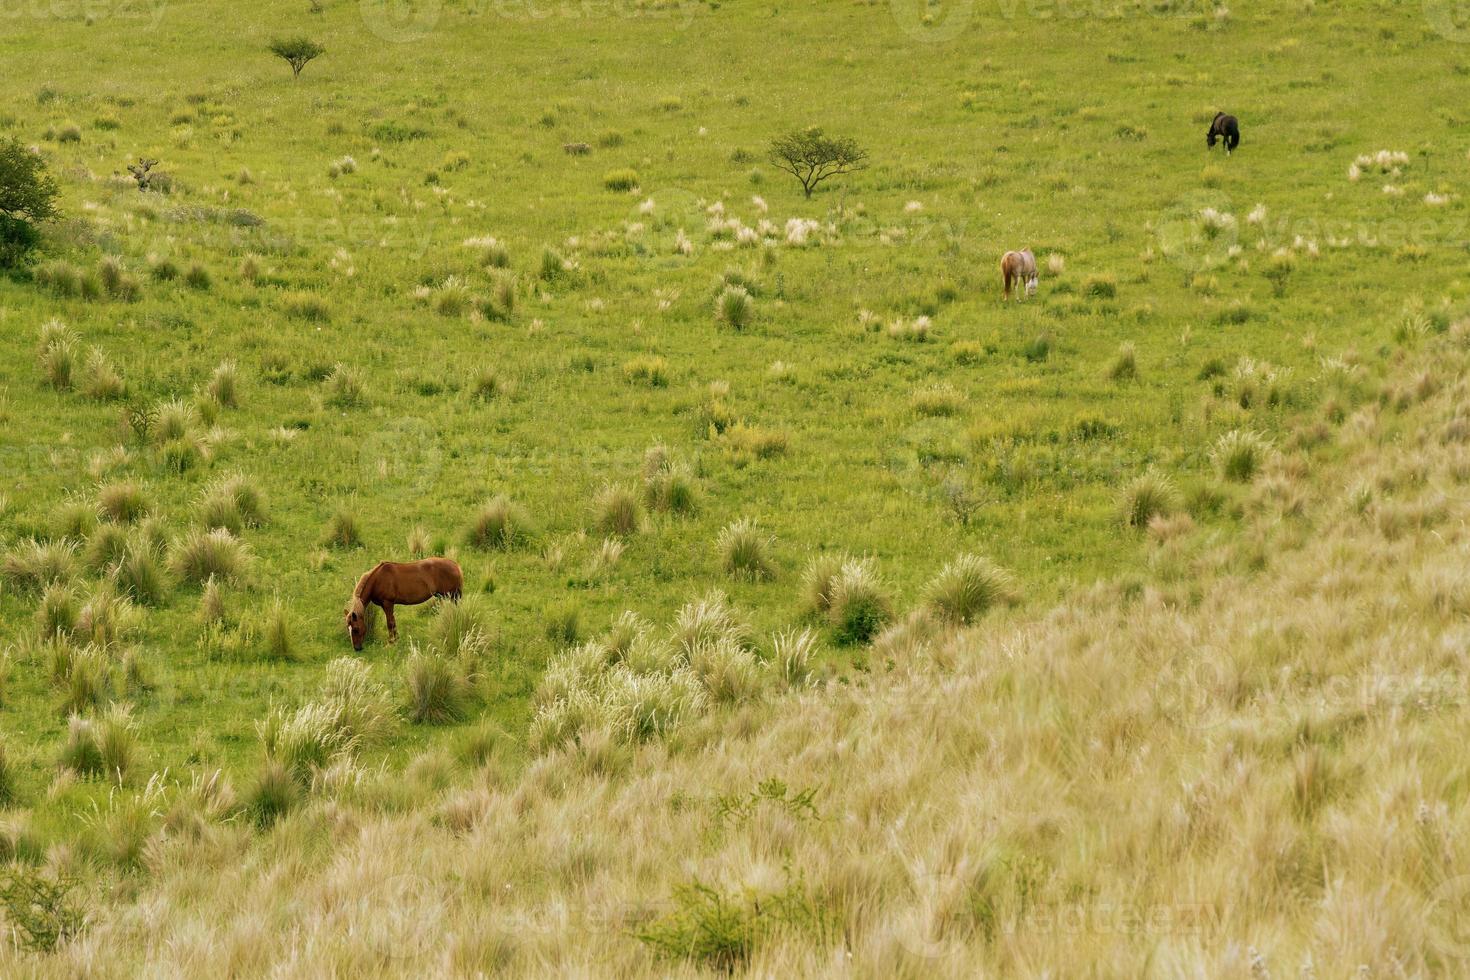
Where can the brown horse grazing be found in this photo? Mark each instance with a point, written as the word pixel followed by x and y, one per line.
pixel 1016 268
pixel 400 583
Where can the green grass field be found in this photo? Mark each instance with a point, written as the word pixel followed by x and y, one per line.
pixel 331 237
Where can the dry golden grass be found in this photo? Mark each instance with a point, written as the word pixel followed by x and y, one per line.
pixel 1250 766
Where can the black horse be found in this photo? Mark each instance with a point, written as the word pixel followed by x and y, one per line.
pixel 1226 128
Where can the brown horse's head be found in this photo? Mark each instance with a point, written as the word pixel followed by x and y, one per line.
pixel 356 622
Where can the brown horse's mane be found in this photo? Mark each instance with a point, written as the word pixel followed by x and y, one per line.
pixel 364 582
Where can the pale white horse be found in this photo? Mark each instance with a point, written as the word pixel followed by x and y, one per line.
pixel 1017 268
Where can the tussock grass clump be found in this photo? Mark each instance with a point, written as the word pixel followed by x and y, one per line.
pixel 860 603
pixel 1100 287
pixel 734 307
pixel 462 629
pixel 106 619
pixel 489 384
pixel 211 603
pixel 649 370
pixel 276 639
pixel 438 693
pixel 306 306
pixel 1150 494
pixel 500 524
pixel 56 355
pixel 56 614
pixel 86 679
pixel 343 531
pixel 173 419
pixel 199 554
pixel 625 179
pixel 224 384
pixel 74 520
pixel 33 565
pixel 233 503
pixel 941 400
pixel 792 653
pixel 273 793
pixel 105 548
pixel 343 388
pixel 617 511
pixel 140 574
pixel 1239 454
pixel 1124 365
pixel 728 670
pixel 747 443
pixel 561 622
pixel 116 281
pixel 744 551
pixel 101 381
pixel 969 587
pixel 668 485
pixel 105 746
pixel 706 620
pixel 124 502
pixel 9 791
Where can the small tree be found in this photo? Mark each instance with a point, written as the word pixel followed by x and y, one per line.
pixel 27 196
pixel 811 157
pixel 296 52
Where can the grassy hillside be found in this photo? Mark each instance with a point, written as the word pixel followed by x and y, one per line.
pixel 468 265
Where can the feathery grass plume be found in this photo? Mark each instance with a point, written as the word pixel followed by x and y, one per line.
pixel 173 419
pixel 706 620
pixel 342 530
pixel 183 454
pixel 728 670
pixel 100 380
pixel 363 706
pixel 734 307
pixel 31 565
pixel 306 740
pixel 969 587
pixel 200 554
pixel 1150 494
pixel 57 612
pixel 87 681
pixel 273 793
pixel 462 629
pixel 501 523
pixel 744 551
pixel 233 503
pixel 224 384
pixel 56 354
pixel 1256 383
pixel 629 628
pixel 74 520
pixel 120 833
pixel 792 652
pixel 80 753
pixel 123 502
pixel 211 602
pixel 344 387
pixel 617 511
pixel 140 574
pixel 276 640
pixel 819 582
pixel 437 691
pixel 1124 365
pixel 860 604
pixel 106 619
pixel 1239 454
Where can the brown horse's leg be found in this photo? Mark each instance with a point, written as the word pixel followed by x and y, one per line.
pixel 392 623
